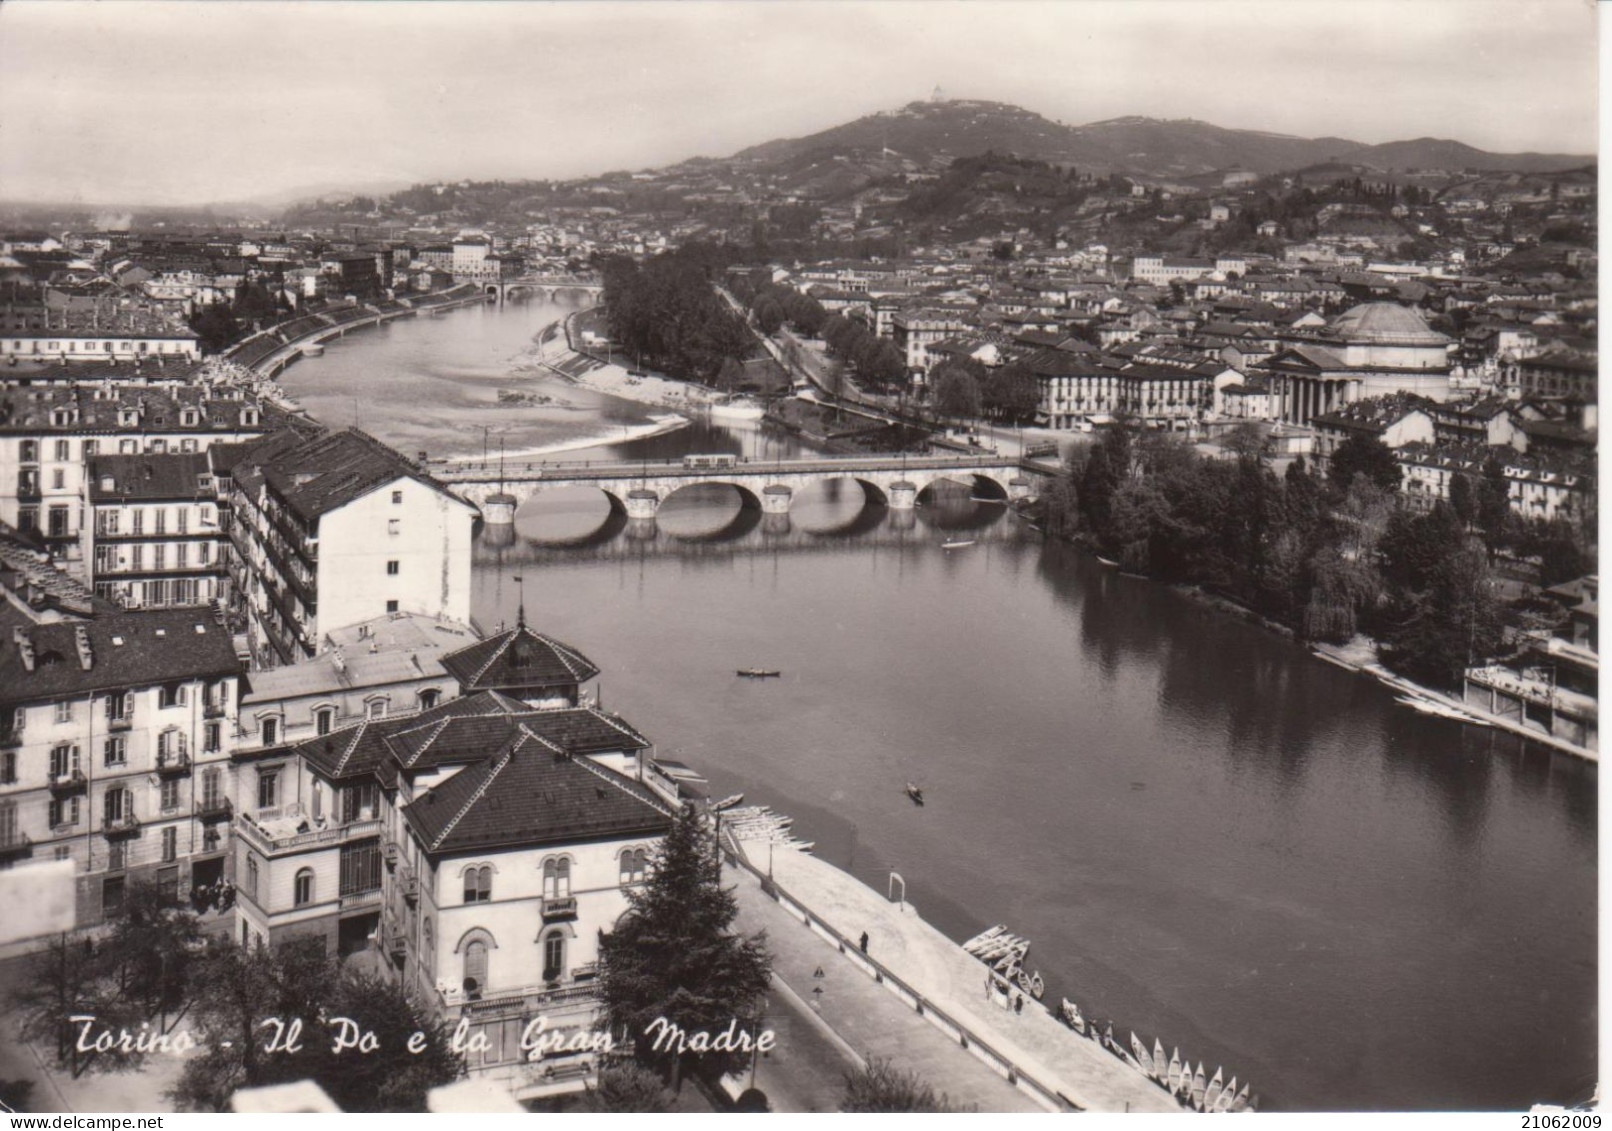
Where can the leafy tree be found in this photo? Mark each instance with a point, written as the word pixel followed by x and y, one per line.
pixel 391 1078
pixel 627 1087
pixel 1464 499
pixel 957 393
pixel 215 326
pixel 769 316
pixel 1368 456
pixel 673 955
pixel 1494 503
pixel 882 1087
pixel 70 978
pixel 1012 392
pixel 152 948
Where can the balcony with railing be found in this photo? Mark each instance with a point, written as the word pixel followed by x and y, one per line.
pixel 10 736
pixel 15 845
pixel 559 908
pixel 212 709
pixel 119 723
pixel 524 1002
pixel 270 842
pixel 124 824
pixel 354 900
pixel 70 782
pixel 173 764
pixel 214 808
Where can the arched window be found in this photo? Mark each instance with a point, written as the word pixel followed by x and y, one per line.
pixel 303 893
pixel 553 955
pixel 479 884
pixel 475 969
pixel 429 698
pixel 323 719
pixel 634 865
pixel 557 877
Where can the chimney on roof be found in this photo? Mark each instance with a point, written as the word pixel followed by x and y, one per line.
pixel 86 655
pixel 25 645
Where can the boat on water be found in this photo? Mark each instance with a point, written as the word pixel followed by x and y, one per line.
pixel 915 793
pixel 957 543
pixel 1070 1012
pixel 985 499
pixel 757 673
pixel 1031 984
pixel 1144 1059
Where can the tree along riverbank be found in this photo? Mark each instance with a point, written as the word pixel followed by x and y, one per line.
pixel 1324 560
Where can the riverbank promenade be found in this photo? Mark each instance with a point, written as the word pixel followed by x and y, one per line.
pixel 1048 1060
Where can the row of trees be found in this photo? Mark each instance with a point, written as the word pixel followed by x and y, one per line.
pixel 155 975
pixel 1326 557
pixel 674 955
pixel 966 389
pixel 219 324
pixel 666 312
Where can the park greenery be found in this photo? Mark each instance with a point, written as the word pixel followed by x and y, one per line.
pixel 236 988
pixel 1327 558
pixel 880 1086
pixel 674 955
pixel 665 313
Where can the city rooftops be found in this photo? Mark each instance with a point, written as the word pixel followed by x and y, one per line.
pixel 392 649
pixel 330 471
pixel 136 648
pixel 533 792
pixel 76 410
pixel 123 478
pixel 1375 414
pixel 516 660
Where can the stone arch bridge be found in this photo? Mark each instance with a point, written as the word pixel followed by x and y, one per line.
pixel 544 286
pixel 638 489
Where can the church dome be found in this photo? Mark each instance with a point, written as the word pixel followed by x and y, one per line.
pixel 1385 323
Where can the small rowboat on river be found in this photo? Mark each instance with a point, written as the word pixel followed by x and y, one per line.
pixel 757 673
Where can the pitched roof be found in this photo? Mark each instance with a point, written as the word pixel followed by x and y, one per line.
pixel 528 793
pixel 174 475
pixel 332 470
pixel 518 658
pixel 126 649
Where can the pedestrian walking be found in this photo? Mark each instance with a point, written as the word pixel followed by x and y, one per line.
pixel 864 943
pixel 1018 1002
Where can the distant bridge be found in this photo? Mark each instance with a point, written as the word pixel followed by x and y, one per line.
pixel 544 286
pixel 638 489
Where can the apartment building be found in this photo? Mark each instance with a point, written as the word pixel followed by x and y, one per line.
pixel 335 530
pixel 115 747
pixel 154 538
pixel 48 436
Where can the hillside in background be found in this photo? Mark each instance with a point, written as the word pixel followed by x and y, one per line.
pixel 929 132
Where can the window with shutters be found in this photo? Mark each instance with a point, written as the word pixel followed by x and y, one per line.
pixel 360 867
pixel 478 883
pixel 116 750
pixel 557 877
pixel 9 829
pixel 8 768
pixel 170 797
pixel 170 844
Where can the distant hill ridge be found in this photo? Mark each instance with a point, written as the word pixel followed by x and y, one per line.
pixel 926 131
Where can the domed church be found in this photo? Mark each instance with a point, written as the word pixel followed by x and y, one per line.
pixel 1370 350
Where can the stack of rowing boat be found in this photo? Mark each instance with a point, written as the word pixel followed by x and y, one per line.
pixel 1004 953
pixel 759 823
pixel 1187 1083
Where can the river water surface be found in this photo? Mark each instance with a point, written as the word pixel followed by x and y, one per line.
pixel 1208 834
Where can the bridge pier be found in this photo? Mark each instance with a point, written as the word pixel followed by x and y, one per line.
pixel 1019 489
pixel 903 495
pixel 499 509
pixel 776 523
pixel 775 498
pixel 642 529
pixel 642 503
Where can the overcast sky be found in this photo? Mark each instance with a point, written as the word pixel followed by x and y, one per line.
pixel 147 102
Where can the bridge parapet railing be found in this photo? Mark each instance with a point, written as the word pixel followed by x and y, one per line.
pixel 558 468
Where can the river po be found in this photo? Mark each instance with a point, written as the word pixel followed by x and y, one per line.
pixel 1209 835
